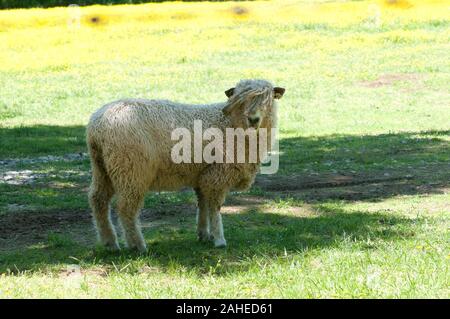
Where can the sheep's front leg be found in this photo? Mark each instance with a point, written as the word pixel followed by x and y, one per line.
pixel 215 218
pixel 203 226
pixel 214 185
pixel 217 228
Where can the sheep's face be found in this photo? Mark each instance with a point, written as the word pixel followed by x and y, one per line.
pixel 254 117
pixel 251 102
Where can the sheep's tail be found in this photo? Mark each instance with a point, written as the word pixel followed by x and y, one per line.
pixel 99 172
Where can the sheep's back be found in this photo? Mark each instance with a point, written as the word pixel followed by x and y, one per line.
pixel 136 130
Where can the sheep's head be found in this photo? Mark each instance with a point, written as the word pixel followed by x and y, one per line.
pixel 252 103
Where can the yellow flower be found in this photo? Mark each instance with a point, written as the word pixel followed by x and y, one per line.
pixel 402 4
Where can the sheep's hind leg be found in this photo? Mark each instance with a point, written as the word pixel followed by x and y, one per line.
pixel 128 207
pixel 203 226
pixel 100 195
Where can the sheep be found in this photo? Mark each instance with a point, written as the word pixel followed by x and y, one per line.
pixel 129 143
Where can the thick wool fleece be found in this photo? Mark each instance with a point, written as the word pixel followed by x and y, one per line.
pixel 130 145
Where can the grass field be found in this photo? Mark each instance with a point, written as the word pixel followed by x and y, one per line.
pixel 359 208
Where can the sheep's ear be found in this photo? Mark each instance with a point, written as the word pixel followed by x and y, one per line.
pixel 229 92
pixel 278 92
pixel 227 109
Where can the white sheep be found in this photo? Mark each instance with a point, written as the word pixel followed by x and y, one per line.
pixel 130 145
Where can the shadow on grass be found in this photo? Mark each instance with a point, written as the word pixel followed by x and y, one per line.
pixel 38 140
pixel 312 169
pixel 252 236
pixel 363 152
pixel 373 167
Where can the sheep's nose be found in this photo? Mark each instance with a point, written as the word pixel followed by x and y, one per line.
pixel 253 121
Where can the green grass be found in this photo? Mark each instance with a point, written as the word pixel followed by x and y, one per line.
pixel 383 234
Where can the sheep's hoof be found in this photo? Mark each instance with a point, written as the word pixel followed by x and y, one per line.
pixel 204 236
pixel 219 243
pixel 141 249
pixel 112 246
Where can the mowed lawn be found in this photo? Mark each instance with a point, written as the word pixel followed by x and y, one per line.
pixel 359 208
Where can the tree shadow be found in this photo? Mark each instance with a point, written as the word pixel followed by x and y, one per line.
pixel 252 235
pixel 38 140
pixel 361 167
pixel 346 152
pixel 313 169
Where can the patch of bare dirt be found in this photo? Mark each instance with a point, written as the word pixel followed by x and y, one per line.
pixel 301 182
pixel 32 222
pixel 390 79
pixel 43 159
pixel 240 10
pixel 74 271
pixel 359 186
pixel 22 228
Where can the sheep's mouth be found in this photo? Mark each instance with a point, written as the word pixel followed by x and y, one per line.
pixel 253 122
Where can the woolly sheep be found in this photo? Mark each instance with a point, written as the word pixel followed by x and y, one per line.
pixel 130 144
